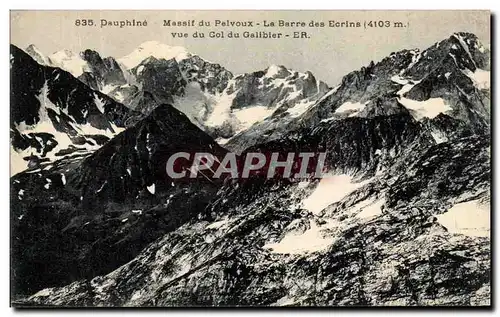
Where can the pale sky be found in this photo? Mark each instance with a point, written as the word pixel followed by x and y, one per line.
pixel 329 52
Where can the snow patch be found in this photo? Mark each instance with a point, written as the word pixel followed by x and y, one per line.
pixel 248 116
pixel 43 292
pixel 108 88
pixel 17 161
pixel 407 84
pixel 470 218
pixel 399 80
pixel 43 98
pixel 222 141
pixel 88 129
pixel 70 62
pixel 217 224
pixel 49 181
pixel 99 103
pixel 312 240
pixel 481 78
pixel 429 108
pixel 330 189
pixel 154 49
pixel 439 137
pixel 101 188
pixel 273 70
pixel 327 120
pixel 300 108
pixel 151 188
pixel 351 107
pixel 372 210
pixel 222 109
pixel 118 96
pixel 139 70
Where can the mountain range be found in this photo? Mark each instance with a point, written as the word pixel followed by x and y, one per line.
pixel 211 96
pixel 401 218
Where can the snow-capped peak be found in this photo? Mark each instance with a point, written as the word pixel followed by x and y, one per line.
pixel 33 48
pixel 37 55
pixel 70 62
pixel 274 70
pixel 64 54
pixel 154 49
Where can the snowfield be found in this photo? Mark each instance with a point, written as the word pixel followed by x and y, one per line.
pixel 70 62
pixel 329 190
pixel 429 108
pixel 155 49
pixel 471 218
pixel 351 107
pixel 481 78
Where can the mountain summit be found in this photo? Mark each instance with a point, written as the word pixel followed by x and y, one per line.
pixel 153 49
pixel 53 114
pixel 445 87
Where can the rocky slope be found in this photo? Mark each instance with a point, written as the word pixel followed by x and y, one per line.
pixel 445 87
pixel 400 218
pixel 54 115
pixel 385 239
pixel 257 97
pixel 87 217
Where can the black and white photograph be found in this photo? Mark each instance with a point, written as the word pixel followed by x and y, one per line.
pixel 250 159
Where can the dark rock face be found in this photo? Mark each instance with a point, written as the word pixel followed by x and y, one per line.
pixel 49 105
pixel 353 144
pixel 212 78
pixel 272 87
pixel 103 72
pixel 161 77
pixel 65 92
pixel 137 158
pixel 89 216
pixel 189 84
pixel 401 256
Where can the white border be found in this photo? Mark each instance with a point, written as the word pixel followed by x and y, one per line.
pixel 191 5
pixel 255 4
